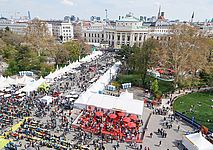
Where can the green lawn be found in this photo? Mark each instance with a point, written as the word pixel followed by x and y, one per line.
pixel 135 79
pixel 200 104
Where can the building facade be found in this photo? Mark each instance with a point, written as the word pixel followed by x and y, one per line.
pixel 62 31
pixel 127 30
pixel 17 27
pixel 66 31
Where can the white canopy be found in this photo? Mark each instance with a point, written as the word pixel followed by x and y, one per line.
pixel 25 80
pixel 33 86
pixel 110 102
pixel 196 142
pixel 99 85
pixel 90 57
pixel 7 95
pixel 73 65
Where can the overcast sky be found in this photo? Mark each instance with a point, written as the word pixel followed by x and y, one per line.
pixel 57 9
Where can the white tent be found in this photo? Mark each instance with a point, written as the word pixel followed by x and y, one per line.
pixel 25 80
pixel 110 102
pixel 33 86
pixel 196 142
pixel 7 95
pixel 73 65
pixel 99 85
pixel 47 99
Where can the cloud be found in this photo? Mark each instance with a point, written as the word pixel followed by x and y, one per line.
pixel 68 2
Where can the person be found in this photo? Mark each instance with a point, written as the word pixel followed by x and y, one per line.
pixel 141 147
pixel 160 143
pixel 151 134
pixel 117 144
pixel 178 127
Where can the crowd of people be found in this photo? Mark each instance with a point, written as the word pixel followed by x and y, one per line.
pixel 111 125
pixel 51 124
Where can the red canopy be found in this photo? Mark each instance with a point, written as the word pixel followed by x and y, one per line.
pixel 131 125
pixel 161 71
pixel 112 116
pixel 121 114
pixel 133 117
pixel 126 119
pixel 99 113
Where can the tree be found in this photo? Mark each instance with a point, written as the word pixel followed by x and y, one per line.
pixel 37 36
pixel 186 52
pixel 58 53
pixel 7 29
pixel 124 55
pixel 155 87
pixel 73 47
pixel 146 57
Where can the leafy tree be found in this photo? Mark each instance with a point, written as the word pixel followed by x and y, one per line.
pixel 145 57
pixel 155 87
pixel 186 51
pixel 73 47
pixel 124 55
pixel 7 29
pixel 58 53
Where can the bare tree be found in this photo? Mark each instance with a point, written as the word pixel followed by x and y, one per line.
pixel 37 36
pixel 186 51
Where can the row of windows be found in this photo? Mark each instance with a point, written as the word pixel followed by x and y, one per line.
pixel 66 34
pixel 95 40
pixel 66 30
pixel 128 38
pixel 94 35
pixel 123 24
pixel 67 27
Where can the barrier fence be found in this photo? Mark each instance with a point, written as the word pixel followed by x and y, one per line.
pixel 190 121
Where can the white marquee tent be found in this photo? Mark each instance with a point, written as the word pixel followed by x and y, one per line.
pixel 99 85
pixel 196 142
pixel 33 86
pixel 73 65
pixel 127 105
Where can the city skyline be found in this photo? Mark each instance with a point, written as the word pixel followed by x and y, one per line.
pixel 57 9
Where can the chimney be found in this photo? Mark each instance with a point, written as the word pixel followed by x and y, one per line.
pixel 141 18
pixel 119 18
pixel 162 14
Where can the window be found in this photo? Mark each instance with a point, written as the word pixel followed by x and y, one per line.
pixel 144 38
pixel 128 38
pixel 118 37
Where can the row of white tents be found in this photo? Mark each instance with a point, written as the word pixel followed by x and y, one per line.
pixel 31 84
pixel 8 81
pixel 98 86
pixel 73 65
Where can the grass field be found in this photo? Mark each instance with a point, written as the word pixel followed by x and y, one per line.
pixel 135 79
pixel 197 105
